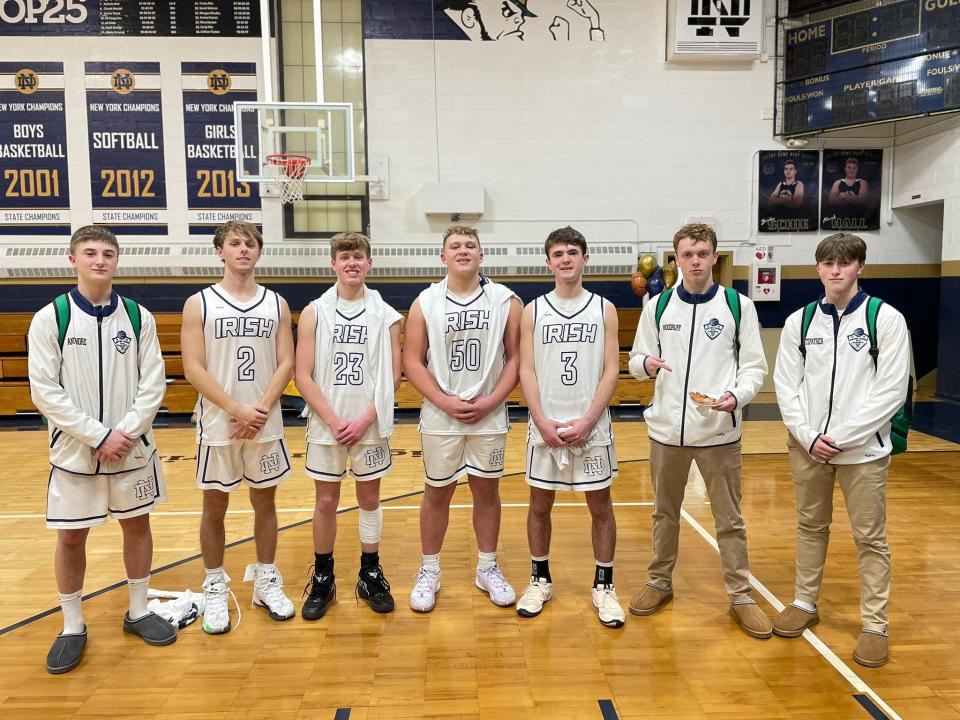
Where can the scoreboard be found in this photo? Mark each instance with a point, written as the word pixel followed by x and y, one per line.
pixel 875 64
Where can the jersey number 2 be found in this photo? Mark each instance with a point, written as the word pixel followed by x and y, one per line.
pixel 247 358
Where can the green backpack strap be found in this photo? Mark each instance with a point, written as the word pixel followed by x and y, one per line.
pixel 733 302
pixel 662 301
pixel 808 312
pixel 61 308
pixel 133 312
pixel 873 309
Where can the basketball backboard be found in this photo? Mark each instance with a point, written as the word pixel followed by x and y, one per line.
pixel 321 131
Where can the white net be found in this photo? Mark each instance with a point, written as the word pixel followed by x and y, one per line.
pixel 288 172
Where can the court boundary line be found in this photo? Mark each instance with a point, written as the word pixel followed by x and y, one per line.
pixel 819 645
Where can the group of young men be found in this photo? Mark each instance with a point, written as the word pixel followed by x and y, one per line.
pixel 468 340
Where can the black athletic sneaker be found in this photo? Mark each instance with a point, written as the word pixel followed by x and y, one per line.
pixel 323 591
pixel 373 587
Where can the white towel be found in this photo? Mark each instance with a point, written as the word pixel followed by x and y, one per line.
pixel 379 350
pixel 182 610
pixel 433 303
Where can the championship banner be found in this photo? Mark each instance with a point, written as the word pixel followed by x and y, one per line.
pixel 789 186
pixel 35 197
pixel 125 125
pixel 851 190
pixel 213 194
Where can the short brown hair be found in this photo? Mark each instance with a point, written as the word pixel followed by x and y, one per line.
pixel 93 233
pixel 348 241
pixel 843 248
pixel 460 230
pixel 697 232
pixel 238 227
pixel 565 236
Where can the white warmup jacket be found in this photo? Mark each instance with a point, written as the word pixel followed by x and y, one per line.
pixel 837 392
pixel 696 338
pixel 102 379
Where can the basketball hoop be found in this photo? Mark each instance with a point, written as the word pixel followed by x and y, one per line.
pixel 289 170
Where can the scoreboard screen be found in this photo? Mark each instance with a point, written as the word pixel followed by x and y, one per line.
pixel 874 64
pixel 800 7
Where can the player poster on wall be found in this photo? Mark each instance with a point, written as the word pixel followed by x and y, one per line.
pixel 125 126
pixel 34 182
pixel 789 186
pixel 851 190
pixel 213 194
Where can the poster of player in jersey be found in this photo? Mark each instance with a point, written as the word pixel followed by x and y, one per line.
pixel 851 190
pixel 789 187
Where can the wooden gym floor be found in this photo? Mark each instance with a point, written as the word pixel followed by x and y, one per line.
pixel 469 659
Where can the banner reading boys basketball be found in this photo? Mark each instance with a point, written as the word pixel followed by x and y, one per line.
pixel 125 125
pixel 851 190
pixel 214 195
pixel 34 183
pixel 789 185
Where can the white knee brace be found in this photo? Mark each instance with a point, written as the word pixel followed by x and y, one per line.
pixel 371 525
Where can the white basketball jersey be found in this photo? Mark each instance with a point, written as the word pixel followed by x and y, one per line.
pixel 348 385
pixel 467 336
pixel 240 343
pixel 568 347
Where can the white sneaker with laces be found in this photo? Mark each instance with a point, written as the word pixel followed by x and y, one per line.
pixel 608 606
pixel 423 596
pixel 216 615
pixel 492 582
pixel 268 594
pixel 537 593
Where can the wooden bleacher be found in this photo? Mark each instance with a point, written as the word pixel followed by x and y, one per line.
pixel 181 397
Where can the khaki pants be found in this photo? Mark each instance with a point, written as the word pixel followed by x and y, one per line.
pixel 864 488
pixel 720 467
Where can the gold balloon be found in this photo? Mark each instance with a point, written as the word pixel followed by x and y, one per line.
pixel 639 283
pixel 670 274
pixel 647 264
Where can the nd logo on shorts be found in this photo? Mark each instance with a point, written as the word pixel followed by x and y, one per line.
pixel 121 342
pixel 713 328
pixel 593 465
pixel 858 339
pixel 374 457
pixel 496 458
pixel 144 488
pixel 269 463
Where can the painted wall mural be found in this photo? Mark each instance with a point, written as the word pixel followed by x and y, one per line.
pixel 484 20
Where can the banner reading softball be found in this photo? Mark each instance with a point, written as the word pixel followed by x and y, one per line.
pixel 213 194
pixel 125 124
pixel 34 182
pixel 851 190
pixel 789 186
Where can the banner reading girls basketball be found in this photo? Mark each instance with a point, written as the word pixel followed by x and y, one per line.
pixel 125 126
pixel 34 184
pixel 789 186
pixel 851 190
pixel 213 194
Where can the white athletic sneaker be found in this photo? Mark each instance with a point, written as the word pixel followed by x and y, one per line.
pixel 216 615
pixel 608 606
pixel 492 582
pixel 537 593
pixel 268 594
pixel 423 596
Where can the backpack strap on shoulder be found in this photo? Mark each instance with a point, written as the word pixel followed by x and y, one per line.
pixel 733 302
pixel 873 309
pixel 808 312
pixel 133 312
pixel 61 308
pixel 662 301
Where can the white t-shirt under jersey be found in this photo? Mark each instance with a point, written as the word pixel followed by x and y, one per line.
pixel 568 349
pixel 240 343
pixel 350 383
pixel 466 336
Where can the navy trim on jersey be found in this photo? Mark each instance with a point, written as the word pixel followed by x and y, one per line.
pixel 482 470
pixel 95 310
pixel 239 309
pixel 570 317
pixel 55 436
pixel 320 472
pixel 697 299
pixel 203 310
pixel 448 477
pixel 276 297
pixel 857 301
pixel 345 317
pixel 564 483
pixel 372 472
pixel 476 297
pixel 133 509
pixel 77 520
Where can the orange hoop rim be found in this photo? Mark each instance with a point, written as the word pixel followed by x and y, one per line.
pixel 294 165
